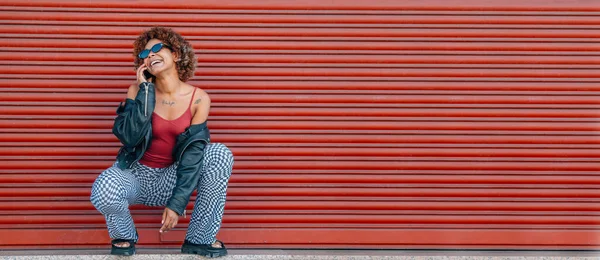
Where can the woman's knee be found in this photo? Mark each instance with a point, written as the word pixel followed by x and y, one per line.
pixel 219 156
pixel 108 193
pixel 218 162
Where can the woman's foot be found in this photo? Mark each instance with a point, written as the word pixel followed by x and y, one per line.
pixel 217 244
pixel 122 247
pixel 216 249
pixel 122 244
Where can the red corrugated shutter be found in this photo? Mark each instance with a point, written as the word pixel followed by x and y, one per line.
pixel 355 124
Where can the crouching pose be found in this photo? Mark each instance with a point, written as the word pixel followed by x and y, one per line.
pixel 166 152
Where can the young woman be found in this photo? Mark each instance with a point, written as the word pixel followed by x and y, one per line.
pixel 166 151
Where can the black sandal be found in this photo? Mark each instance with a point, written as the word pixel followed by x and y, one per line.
pixel 127 251
pixel 206 250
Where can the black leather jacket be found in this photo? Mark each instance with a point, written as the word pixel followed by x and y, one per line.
pixel 133 127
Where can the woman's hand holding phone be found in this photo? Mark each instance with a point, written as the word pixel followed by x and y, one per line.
pixel 142 71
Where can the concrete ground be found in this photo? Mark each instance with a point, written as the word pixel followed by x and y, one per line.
pixel 242 254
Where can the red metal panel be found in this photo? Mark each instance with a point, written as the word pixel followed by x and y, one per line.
pixel 324 238
pixel 288 60
pixel 295 17
pixel 395 124
pixel 437 5
pixel 455 207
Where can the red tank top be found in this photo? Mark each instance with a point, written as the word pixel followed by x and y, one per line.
pixel 164 137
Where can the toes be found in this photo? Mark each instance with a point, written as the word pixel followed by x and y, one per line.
pixel 122 244
pixel 217 244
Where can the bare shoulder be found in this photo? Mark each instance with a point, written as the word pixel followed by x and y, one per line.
pixel 201 97
pixel 200 106
pixel 132 91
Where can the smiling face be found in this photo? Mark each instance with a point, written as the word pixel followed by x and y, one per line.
pixel 177 53
pixel 161 61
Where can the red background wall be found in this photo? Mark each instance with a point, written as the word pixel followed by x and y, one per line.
pixel 355 124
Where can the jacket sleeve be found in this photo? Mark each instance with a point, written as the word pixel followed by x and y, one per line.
pixel 188 174
pixel 133 118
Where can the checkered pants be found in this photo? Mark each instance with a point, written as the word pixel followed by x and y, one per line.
pixel 115 189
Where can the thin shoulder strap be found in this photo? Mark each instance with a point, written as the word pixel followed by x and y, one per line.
pixel 193 95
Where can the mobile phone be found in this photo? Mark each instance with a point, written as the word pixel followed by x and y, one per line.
pixel 149 77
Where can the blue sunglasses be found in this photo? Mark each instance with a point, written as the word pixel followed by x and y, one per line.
pixel 156 48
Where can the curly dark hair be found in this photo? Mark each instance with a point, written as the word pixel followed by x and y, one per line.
pixel 187 63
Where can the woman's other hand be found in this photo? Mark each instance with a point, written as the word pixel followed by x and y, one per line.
pixel 169 220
